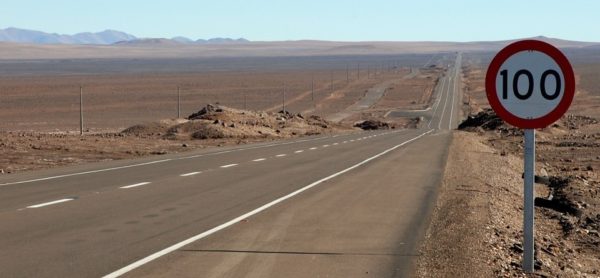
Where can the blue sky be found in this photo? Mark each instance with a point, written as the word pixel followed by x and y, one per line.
pixel 343 20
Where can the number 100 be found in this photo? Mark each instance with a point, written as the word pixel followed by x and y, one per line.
pixel 530 83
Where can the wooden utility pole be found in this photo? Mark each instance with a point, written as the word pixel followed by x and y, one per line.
pixel 283 99
pixel 312 88
pixel 332 81
pixel 178 102
pixel 80 110
pixel 347 74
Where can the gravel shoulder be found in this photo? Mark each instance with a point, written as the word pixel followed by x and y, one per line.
pixel 476 227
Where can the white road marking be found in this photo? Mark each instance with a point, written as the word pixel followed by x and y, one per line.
pixel 437 104
pixel 233 221
pixel 229 165
pixel 134 185
pixel 86 172
pixel 335 144
pixel 166 160
pixel 344 142
pixel 444 108
pixel 352 140
pixel 313 148
pixel 259 159
pixel 298 151
pixel 51 203
pixel 190 174
pixel 325 146
pixel 452 103
pixel 281 155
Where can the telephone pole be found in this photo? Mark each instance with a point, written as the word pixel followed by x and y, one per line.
pixel 80 110
pixel 283 99
pixel 312 88
pixel 178 102
pixel 347 74
pixel 332 81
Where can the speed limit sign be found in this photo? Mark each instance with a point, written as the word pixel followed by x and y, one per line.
pixel 530 84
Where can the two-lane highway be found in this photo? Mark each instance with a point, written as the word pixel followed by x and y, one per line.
pixel 362 196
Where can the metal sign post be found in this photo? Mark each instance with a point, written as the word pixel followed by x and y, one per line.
pixel 530 84
pixel 528 206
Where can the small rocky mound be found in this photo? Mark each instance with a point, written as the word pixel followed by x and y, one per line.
pixel 575 121
pixel 220 122
pixel 486 119
pixel 149 129
pixel 372 125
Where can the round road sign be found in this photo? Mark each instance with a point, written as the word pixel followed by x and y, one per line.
pixel 530 84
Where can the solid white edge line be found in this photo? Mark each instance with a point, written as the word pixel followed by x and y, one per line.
pixel 134 185
pixel 453 94
pixel 259 159
pixel 437 103
pixel 229 165
pixel 189 174
pixel 51 203
pixel 229 223
pixel 444 107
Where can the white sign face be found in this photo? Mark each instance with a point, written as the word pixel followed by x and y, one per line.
pixel 530 84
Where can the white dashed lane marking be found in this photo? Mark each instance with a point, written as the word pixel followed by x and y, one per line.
pixel 259 159
pixel 51 203
pixel 228 165
pixel 190 174
pixel 134 185
pixel 313 148
pixel 298 151
pixel 281 155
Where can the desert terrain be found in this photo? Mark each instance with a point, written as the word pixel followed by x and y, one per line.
pixel 40 101
pixel 130 110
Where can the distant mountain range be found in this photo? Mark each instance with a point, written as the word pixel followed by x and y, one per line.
pixel 106 37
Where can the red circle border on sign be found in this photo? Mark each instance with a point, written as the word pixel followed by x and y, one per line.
pixel 559 58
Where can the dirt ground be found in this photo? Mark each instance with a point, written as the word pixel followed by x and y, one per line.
pixel 131 115
pixel 477 224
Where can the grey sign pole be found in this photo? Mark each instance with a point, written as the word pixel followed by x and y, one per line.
pixel 80 110
pixel 528 208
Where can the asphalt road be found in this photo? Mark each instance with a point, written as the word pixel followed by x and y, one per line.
pixel 336 205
